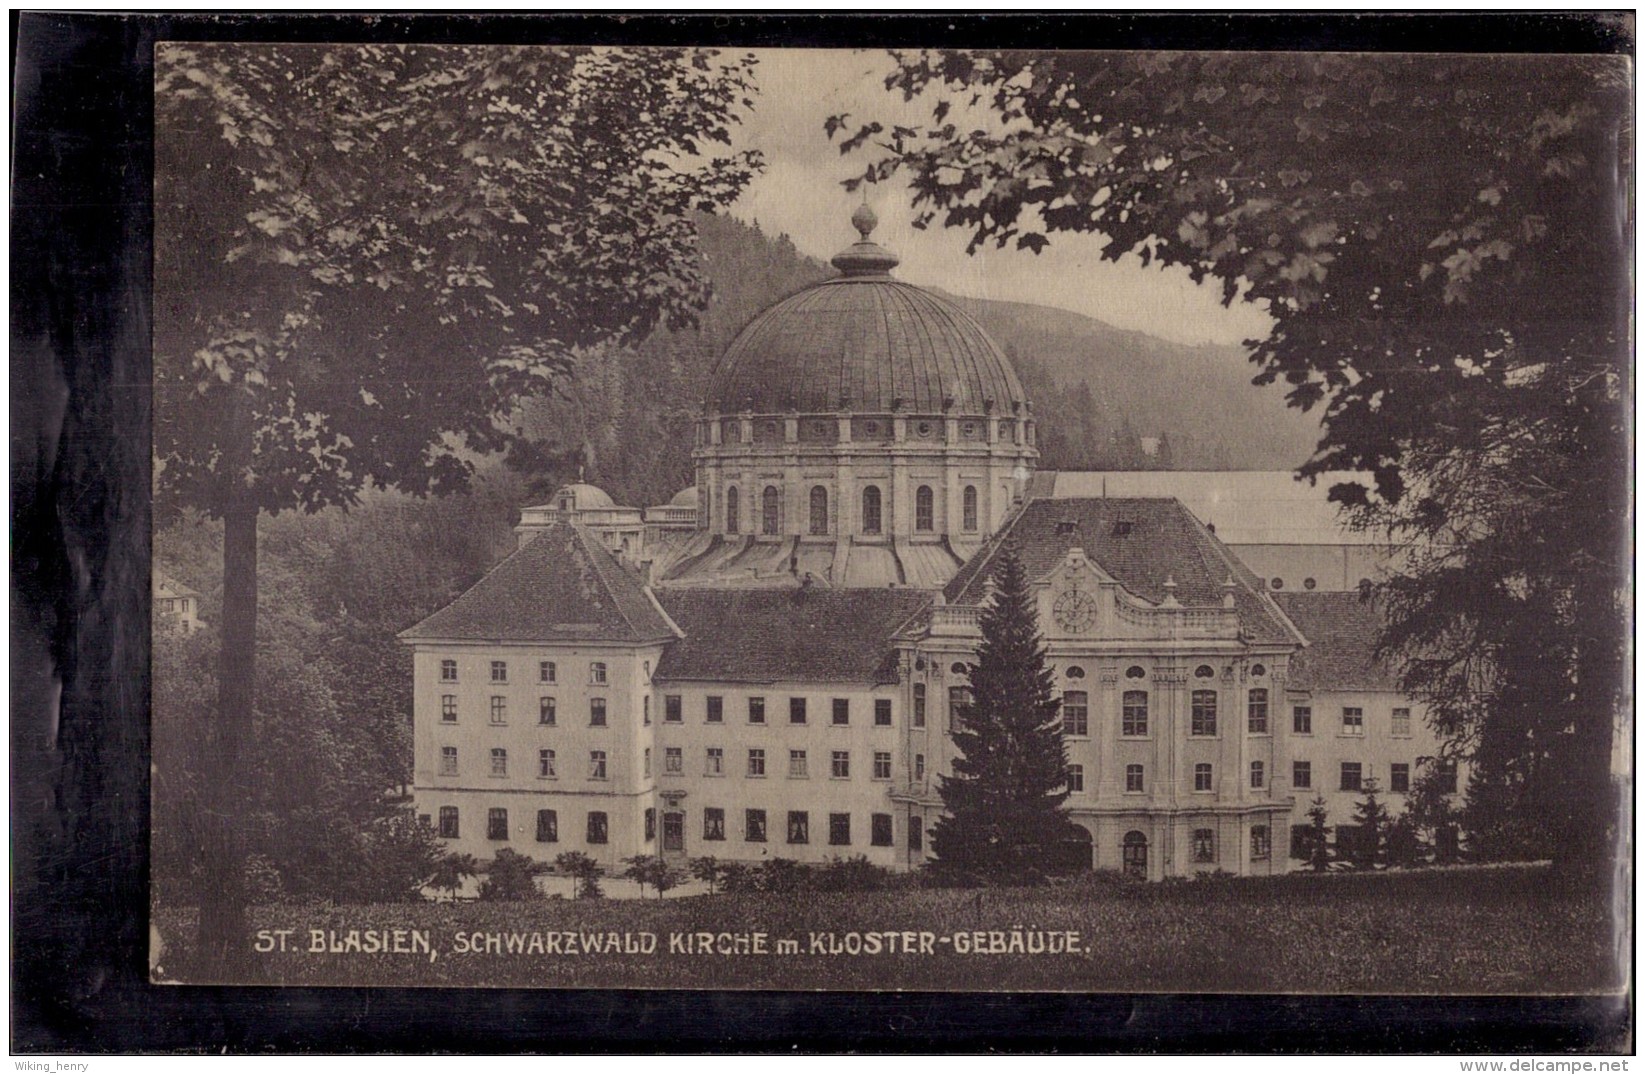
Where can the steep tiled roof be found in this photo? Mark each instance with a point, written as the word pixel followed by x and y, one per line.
pixel 1141 543
pixel 869 342
pixel 1341 629
pixel 561 586
pixel 766 636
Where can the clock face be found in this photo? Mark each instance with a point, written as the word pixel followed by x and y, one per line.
pixel 1074 610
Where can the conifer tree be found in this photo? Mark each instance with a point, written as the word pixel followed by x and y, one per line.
pixel 1005 819
pixel 1371 818
pixel 1319 848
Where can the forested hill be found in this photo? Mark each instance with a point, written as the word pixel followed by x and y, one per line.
pixel 1106 398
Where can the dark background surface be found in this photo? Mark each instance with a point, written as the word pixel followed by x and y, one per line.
pixel 81 220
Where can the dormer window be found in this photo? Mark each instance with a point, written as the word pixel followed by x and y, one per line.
pixel 1122 527
pixel 1067 526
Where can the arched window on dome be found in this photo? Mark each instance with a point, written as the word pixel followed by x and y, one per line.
pixel 732 510
pixel 819 510
pixel 969 509
pixel 871 510
pixel 923 513
pixel 770 511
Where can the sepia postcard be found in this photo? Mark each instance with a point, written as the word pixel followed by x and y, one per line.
pixel 660 517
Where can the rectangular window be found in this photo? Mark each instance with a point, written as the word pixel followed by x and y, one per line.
pixel 1256 711
pixel 448 709
pixel 596 712
pixel 545 710
pixel 754 826
pixel 1205 845
pixel 596 765
pixel 598 832
pixel 959 699
pixel 1202 776
pixel 839 829
pixel 650 824
pixel 449 828
pixel 499 761
pixel 546 672
pixel 1075 713
pixel 879 830
pixel 1401 725
pixel 596 672
pixel 1202 718
pixel 499 709
pixel 716 709
pixel 1134 713
pixel 919 705
pixel 1302 774
pixel 1076 779
pixel 839 765
pixel 1260 845
pixel 799 827
pixel 673 709
pixel 842 711
pixel 645 710
pixel 1353 720
pixel 1302 720
pixel 1447 777
pixel 645 762
pixel 714 765
pixel 448 671
pixel 548 827
pixel 1302 839
pixel 916 834
pixel 1133 778
pixel 796 711
pixel 1259 774
pixel 1399 776
pixel 1350 776
pixel 756 762
pixel 673 759
pixel 919 767
pixel 448 761
pixel 497 823
pixel 545 763
pixel 499 671
pixel 796 763
pixel 882 765
pixel 713 823
pixel 756 711
pixel 882 712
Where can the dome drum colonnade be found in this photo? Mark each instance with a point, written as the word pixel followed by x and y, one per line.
pixel 863 409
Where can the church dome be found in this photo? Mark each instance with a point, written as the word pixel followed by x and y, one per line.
pixel 867 343
pixel 581 496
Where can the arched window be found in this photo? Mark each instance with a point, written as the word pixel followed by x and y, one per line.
pixel 1075 672
pixel 819 510
pixel 1135 854
pixel 871 510
pixel 923 513
pixel 770 513
pixel 1135 672
pixel 732 522
pixel 969 509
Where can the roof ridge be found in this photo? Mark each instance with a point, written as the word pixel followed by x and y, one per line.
pixel 590 543
pixel 1237 569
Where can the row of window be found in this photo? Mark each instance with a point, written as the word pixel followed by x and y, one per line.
pixel 673 710
pixel 839 763
pixel 1353 720
pixel 598 830
pixel 1353 775
pixel 1135 782
pixel 547 672
pixel 771 510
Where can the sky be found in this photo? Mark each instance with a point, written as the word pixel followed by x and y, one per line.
pixel 800 194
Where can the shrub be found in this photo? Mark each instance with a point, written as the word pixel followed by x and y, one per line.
pixel 584 870
pixel 855 874
pixel 513 877
pixel 783 875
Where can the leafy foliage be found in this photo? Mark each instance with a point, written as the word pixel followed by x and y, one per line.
pixel 1438 240
pixel 652 870
pixel 582 868
pixel 1005 820
pixel 512 877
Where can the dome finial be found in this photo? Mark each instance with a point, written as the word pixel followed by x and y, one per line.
pixel 864 219
pixel 863 258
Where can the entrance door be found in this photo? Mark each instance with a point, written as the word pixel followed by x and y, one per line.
pixel 1134 854
pixel 673 831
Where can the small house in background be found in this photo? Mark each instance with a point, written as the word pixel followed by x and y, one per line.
pixel 176 603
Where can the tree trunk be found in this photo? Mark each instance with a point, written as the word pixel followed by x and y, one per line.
pixel 223 938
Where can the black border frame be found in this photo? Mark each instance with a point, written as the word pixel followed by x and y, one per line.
pixel 80 301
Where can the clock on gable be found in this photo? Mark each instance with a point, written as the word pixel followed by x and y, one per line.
pixel 1074 610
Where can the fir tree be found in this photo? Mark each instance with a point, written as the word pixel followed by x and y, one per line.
pixel 1319 848
pixel 1371 819
pixel 1005 819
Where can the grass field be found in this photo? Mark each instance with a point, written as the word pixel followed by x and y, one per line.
pixel 1501 930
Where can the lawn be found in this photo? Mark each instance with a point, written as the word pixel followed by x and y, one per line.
pixel 1475 930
